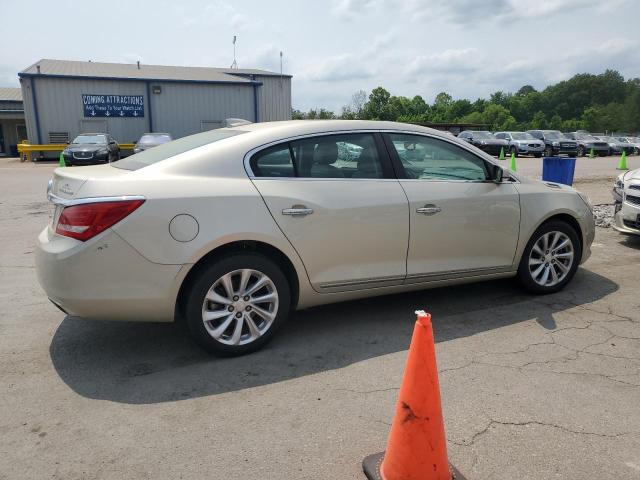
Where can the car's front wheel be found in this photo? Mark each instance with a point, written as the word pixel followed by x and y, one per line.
pixel 581 151
pixel 550 259
pixel 236 304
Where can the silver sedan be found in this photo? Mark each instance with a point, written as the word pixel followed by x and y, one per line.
pixel 230 229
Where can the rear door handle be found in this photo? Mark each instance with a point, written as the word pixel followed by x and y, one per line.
pixel 297 211
pixel 429 210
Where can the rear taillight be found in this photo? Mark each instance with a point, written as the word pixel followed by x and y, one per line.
pixel 86 220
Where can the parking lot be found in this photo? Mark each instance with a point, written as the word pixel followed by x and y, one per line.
pixel 532 387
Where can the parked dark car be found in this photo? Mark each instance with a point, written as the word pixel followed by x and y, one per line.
pixel 522 143
pixel 91 149
pixel 485 141
pixel 587 142
pixel 555 143
pixel 149 140
pixel 617 145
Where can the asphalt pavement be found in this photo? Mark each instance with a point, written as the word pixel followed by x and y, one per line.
pixel 532 387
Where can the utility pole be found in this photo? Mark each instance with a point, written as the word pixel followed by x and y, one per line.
pixel 234 64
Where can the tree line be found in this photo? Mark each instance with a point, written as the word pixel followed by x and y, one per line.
pixel 597 103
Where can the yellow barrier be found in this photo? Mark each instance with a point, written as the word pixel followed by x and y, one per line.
pixel 26 149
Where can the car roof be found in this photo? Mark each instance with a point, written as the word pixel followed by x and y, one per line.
pixel 273 131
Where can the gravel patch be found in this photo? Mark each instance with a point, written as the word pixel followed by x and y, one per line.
pixel 603 214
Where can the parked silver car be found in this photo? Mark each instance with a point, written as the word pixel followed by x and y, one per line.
pixel 626 195
pixel 522 143
pixel 150 140
pixel 231 228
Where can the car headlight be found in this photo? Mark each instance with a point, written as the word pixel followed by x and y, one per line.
pixel 556 144
pixel 66 152
pixel 137 150
pixel 102 151
pixel 586 200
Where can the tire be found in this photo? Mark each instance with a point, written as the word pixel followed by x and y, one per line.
pixel 513 150
pixel 255 330
pixel 532 279
pixel 548 151
pixel 581 151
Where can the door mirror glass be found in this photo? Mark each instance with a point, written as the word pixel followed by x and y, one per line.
pixel 496 174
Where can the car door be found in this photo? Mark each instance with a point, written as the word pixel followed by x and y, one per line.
pixel 461 223
pixel 338 203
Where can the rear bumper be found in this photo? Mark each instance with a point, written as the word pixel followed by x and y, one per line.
pixel 104 278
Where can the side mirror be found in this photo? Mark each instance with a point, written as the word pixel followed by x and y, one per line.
pixel 496 173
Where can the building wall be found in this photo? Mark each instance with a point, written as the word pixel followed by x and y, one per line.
pixel 60 108
pixel 187 108
pixel 9 132
pixel 274 98
pixel 179 109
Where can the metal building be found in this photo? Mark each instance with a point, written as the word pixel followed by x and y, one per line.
pixel 64 98
pixel 12 126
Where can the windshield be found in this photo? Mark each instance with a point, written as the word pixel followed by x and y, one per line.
pixel 90 139
pixel 483 135
pixel 554 135
pixel 155 138
pixel 522 136
pixel 176 147
pixel 620 139
pixel 586 136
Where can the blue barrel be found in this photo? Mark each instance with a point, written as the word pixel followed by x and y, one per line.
pixel 558 169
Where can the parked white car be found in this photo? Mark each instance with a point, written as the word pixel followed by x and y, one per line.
pixel 626 195
pixel 232 228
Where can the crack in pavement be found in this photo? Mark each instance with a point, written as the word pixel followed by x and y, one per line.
pixel 563 428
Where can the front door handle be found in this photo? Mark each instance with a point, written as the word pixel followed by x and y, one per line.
pixel 429 209
pixel 297 211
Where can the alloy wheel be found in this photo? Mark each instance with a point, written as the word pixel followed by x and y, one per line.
pixel 240 307
pixel 551 259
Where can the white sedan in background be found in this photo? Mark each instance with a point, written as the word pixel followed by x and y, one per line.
pixel 626 194
pixel 231 229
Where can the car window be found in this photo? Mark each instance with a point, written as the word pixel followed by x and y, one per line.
pixel 428 158
pixel 337 156
pixel 168 150
pixel 273 162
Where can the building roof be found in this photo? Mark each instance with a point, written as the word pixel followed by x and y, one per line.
pixel 131 71
pixel 10 94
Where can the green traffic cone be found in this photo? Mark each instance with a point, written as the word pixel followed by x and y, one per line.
pixel 61 161
pixel 512 163
pixel 501 156
pixel 591 154
pixel 622 164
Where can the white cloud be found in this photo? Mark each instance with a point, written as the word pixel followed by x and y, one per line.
pixel 337 68
pixel 351 9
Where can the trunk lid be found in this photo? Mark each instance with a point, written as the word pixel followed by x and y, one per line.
pixel 66 182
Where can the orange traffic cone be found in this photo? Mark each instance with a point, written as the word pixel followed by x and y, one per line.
pixel 417 446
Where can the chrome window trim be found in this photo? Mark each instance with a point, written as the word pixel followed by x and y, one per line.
pixel 463 145
pixel 70 202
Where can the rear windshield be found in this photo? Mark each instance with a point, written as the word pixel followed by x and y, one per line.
pixel 155 138
pixel 167 150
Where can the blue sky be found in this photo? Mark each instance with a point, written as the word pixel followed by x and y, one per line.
pixel 468 48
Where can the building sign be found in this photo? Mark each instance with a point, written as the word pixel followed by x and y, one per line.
pixel 113 105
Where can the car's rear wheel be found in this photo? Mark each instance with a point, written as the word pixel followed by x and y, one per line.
pixel 235 305
pixel 550 259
